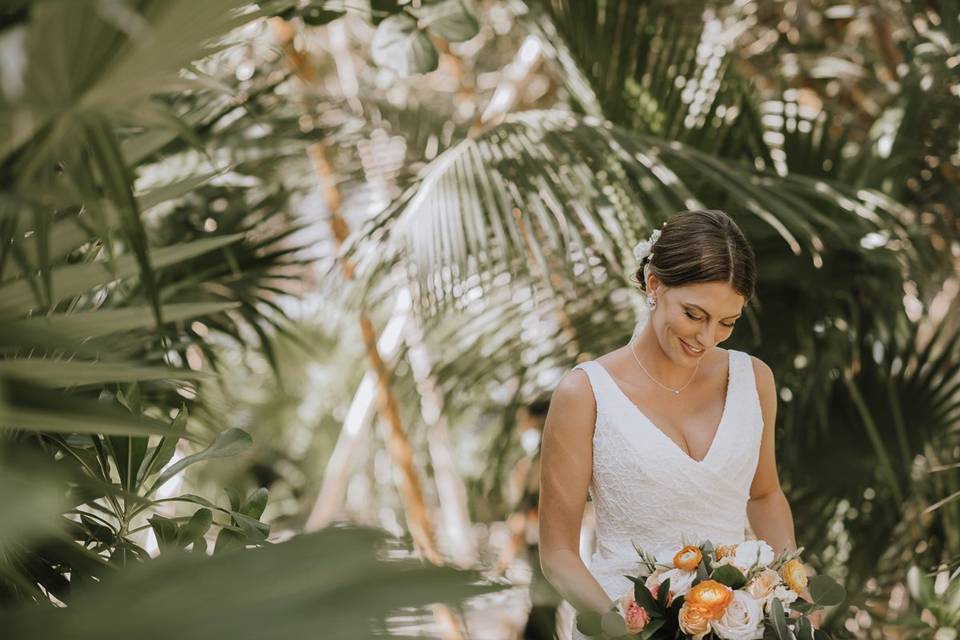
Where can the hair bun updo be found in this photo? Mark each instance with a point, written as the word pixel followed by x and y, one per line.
pixel 701 245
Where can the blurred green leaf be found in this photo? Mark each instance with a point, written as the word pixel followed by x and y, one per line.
pixel 399 44
pixel 228 443
pixel 332 580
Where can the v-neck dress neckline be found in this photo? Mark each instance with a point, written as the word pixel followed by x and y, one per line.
pixel 718 432
pixel 647 492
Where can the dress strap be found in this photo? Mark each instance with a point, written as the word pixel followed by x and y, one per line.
pixel 595 374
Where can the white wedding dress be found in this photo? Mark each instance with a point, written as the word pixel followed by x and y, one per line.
pixel 647 491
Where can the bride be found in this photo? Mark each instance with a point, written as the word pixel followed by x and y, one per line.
pixel 670 435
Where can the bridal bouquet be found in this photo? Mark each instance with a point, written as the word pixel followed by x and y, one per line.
pixel 728 592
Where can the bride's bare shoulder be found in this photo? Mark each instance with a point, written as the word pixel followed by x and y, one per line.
pixel 573 405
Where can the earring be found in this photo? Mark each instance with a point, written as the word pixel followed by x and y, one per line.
pixel 651 302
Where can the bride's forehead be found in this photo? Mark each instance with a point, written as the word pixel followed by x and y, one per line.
pixel 719 296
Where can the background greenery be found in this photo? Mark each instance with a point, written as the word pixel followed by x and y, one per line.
pixel 338 254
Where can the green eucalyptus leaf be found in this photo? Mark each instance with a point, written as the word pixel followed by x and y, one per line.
pixel 729 575
pixel 826 591
pixel 652 628
pixel 779 619
pixel 612 624
pixel 588 623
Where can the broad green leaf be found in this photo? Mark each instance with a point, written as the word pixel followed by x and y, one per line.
pixel 228 541
pixel 159 195
pixel 399 44
pixel 228 443
pixel 652 627
pixel 31 492
pixel 76 415
pixel 255 503
pixel 160 455
pixel 729 575
pixel 333 581
pixel 18 297
pixel 102 322
pixel 644 598
pixel 254 530
pixel 663 592
pixel 129 452
pixel 69 373
pixel 195 528
pixel 165 530
pixel 826 591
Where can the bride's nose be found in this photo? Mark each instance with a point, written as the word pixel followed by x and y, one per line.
pixel 706 338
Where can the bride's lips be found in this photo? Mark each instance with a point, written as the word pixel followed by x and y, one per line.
pixel 690 352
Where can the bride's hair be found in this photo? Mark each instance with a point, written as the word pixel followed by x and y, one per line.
pixel 702 245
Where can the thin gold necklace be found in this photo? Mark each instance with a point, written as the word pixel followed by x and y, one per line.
pixel 675 391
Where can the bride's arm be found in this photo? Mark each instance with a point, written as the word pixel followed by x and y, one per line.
pixel 768 509
pixel 565 468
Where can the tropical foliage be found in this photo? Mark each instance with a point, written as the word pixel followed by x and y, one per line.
pixel 163 164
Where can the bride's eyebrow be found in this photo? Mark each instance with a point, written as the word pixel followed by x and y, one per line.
pixel 690 304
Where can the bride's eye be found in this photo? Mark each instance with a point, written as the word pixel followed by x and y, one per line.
pixel 691 316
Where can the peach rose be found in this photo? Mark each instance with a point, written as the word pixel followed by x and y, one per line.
pixel 693 622
pixel 794 575
pixel 763 584
pixel 710 597
pixel 635 615
pixel 688 558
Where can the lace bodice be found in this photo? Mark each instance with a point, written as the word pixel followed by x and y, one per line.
pixel 647 490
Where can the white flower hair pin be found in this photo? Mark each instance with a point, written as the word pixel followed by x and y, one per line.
pixel 644 248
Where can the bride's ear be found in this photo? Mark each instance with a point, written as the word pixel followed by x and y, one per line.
pixel 653 282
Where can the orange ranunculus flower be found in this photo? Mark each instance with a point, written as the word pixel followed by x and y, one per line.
pixel 725 550
pixel 710 597
pixel 693 622
pixel 688 558
pixel 794 575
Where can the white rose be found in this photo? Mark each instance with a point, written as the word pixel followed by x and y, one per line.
pixel 654 578
pixel 741 620
pixel 680 581
pixel 784 594
pixel 753 551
